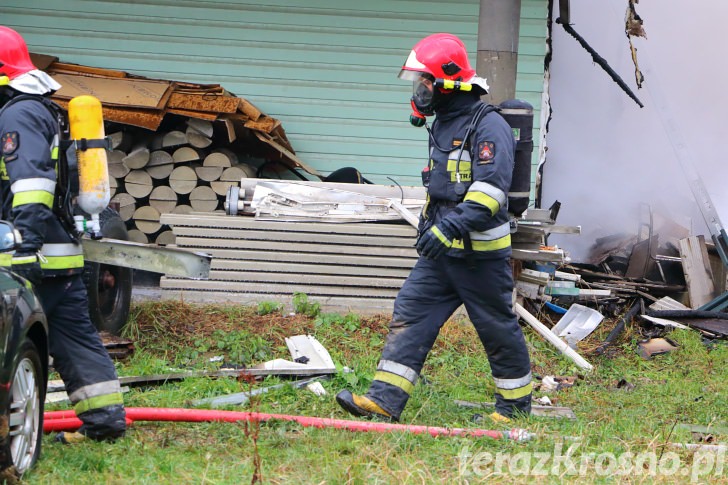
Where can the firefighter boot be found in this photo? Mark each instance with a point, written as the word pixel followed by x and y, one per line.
pixel 74 437
pixel 362 406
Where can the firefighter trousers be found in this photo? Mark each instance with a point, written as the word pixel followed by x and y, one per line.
pixel 81 359
pixel 429 296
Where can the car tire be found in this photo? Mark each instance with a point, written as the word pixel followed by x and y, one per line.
pixel 109 287
pixel 21 448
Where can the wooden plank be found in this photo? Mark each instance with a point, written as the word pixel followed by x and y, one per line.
pixel 187 154
pixel 138 184
pixel 115 164
pixel 170 139
pixel 160 165
pixel 323 249
pixel 698 274
pixel 182 209
pixel 138 157
pixel 203 198
pixel 127 205
pixel 137 236
pixel 290 278
pixel 276 288
pixel 197 139
pixel 183 179
pixel 221 187
pixel 295 257
pixel 220 157
pixel 146 219
pixel 113 186
pixel 232 222
pixel 208 174
pixel 165 238
pixel 314 268
pixel 321 238
pixel 163 198
pixel 360 306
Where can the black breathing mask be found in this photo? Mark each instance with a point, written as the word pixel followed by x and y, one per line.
pixel 425 95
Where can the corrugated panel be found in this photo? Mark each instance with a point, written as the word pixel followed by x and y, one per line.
pixel 530 70
pixel 326 68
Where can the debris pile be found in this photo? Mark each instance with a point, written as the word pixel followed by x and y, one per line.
pixel 176 147
pixel 680 283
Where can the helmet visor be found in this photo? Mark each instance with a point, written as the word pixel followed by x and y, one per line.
pixel 409 75
pixel 423 87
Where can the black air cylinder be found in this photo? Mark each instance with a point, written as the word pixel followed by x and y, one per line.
pixel 519 115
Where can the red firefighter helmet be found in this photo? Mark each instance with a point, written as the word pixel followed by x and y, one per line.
pixel 14 57
pixel 437 65
pixel 443 56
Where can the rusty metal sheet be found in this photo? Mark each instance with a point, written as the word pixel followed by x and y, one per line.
pixel 143 102
pixel 203 115
pixel 203 102
pixel 250 111
pixel 149 119
pixel 264 123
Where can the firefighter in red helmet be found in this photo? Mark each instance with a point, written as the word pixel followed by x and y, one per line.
pixel 464 238
pixel 50 256
pixel 437 65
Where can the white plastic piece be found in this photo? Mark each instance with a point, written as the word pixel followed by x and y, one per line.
pixel 306 346
pixel 316 388
pixel 546 333
pixel 578 322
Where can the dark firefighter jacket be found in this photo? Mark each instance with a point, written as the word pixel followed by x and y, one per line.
pixel 478 207
pixel 29 150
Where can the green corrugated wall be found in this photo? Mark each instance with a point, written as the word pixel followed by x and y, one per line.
pixel 326 68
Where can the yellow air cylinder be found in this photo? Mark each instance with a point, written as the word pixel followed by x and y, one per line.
pixel 87 122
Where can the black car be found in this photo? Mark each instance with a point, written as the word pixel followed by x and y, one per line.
pixel 23 367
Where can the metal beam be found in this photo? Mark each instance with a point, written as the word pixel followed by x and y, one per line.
pixel 128 254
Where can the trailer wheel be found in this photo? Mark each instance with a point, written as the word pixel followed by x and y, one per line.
pixel 109 287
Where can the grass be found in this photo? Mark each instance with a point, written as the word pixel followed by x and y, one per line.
pixel 686 386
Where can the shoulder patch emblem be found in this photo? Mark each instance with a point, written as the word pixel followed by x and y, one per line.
pixel 9 142
pixel 486 151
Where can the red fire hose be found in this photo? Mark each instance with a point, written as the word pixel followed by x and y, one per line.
pixel 67 421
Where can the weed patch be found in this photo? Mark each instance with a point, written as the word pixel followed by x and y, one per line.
pixel 687 386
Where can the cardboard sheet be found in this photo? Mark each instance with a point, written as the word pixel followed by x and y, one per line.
pixel 129 93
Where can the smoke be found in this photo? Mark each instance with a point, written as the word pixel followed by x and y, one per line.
pixel 607 157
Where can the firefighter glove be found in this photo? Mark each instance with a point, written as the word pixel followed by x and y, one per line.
pixel 436 240
pixel 27 266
